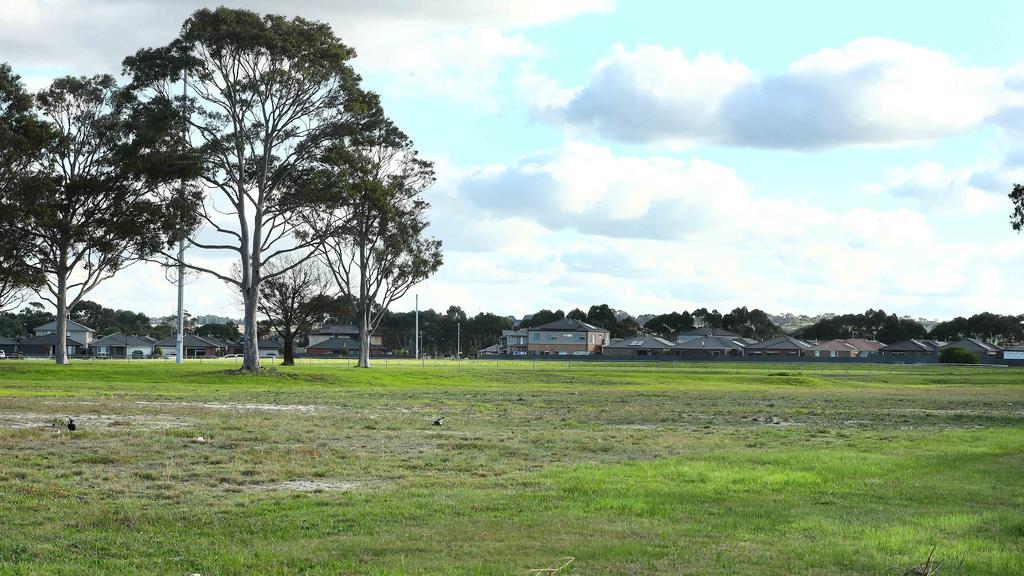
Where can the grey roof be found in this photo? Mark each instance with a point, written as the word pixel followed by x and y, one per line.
pixel 5 341
pixel 342 343
pixel 118 339
pixel 709 331
pixel 567 325
pixel 709 343
pixel 190 341
pixel 974 345
pixel 913 345
pixel 642 341
pixel 72 326
pixel 48 340
pixel 337 328
pixel 780 343
pixel 744 341
pixel 520 332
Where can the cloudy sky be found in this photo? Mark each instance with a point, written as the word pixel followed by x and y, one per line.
pixel 799 157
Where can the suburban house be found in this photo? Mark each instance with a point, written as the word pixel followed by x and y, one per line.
pixel 329 331
pixel 341 345
pixel 703 332
pixel 119 345
pixel 75 331
pixel 641 345
pixel 10 347
pixel 912 347
pixel 264 344
pixel 513 342
pixel 710 346
pixel 780 346
pixel 46 344
pixel 1014 352
pixel 567 336
pixel 844 348
pixel 194 346
pixel 979 347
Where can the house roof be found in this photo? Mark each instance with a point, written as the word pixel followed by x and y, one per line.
pixel 709 343
pixel 72 327
pixel 118 339
pixel 709 331
pixel 340 343
pixel 975 345
pixel 567 325
pixel 642 341
pixel 337 328
pixel 520 332
pixel 744 341
pixel 865 344
pixel 48 340
pixel 780 343
pixel 5 341
pixel 837 344
pixel 913 345
pixel 189 341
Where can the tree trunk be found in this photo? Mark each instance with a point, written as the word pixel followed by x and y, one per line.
pixel 60 350
pixel 289 348
pixel 364 339
pixel 251 352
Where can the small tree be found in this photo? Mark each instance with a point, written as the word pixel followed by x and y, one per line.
pixel 296 301
pixel 94 202
pixel 379 249
pixel 957 355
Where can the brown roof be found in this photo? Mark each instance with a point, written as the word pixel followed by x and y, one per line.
pixel 837 344
pixel 865 344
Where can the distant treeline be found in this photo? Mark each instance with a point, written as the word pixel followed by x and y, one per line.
pixel 889 328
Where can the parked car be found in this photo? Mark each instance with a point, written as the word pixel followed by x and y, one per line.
pixel 268 354
pixel 171 355
pixel 232 356
pixel 138 354
pixel 3 355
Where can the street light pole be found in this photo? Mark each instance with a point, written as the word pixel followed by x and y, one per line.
pixel 416 336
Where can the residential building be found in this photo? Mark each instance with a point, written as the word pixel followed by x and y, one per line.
pixel 75 331
pixel 340 346
pixel 844 348
pixel 640 345
pixel 1014 352
pixel 46 344
pixel 9 346
pixel 912 347
pixel 567 336
pixel 194 346
pixel 979 347
pixel 513 342
pixel 119 345
pixel 780 346
pixel 338 330
pixel 704 332
pixel 710 346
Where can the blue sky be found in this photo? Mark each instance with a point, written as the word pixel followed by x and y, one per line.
pixel 799 157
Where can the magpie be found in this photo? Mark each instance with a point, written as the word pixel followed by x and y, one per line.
pixel 71 424
pixel 439 421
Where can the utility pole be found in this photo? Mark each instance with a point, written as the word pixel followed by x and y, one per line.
pixel 458 340
pixel 179 351
pixel 416 337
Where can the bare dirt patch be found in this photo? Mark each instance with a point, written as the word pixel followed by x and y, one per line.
pixel 309 486
pixel 237 406
pixel 92 421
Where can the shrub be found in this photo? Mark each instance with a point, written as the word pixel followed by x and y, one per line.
pixel 957 355
pixel 157 351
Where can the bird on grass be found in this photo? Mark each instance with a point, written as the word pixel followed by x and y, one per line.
pixel 439 421
pixel 71 424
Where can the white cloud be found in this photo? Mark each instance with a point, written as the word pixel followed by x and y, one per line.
pixel 871 91
pixel 447 47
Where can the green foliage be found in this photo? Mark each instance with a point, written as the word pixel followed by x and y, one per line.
pixel 874 324
pixel 957 355
pixel 542 317
pixel 986 326
pixel 751 324
pixel 669 325
pixel 225 332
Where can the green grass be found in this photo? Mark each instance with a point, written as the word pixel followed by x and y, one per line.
pixel 628 468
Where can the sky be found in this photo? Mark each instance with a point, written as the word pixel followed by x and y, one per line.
pixel 798 157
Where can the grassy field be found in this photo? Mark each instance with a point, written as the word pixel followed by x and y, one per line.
pixel 627 469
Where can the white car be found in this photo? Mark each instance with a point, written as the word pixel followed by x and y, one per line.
pixel 3 355
pixel 232 356
pixel 171 355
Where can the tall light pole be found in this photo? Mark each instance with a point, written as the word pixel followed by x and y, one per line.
pixel 458 340
pixel 179 351
pixel 416 336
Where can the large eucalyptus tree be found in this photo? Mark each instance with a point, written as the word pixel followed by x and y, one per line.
pixel 265 95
